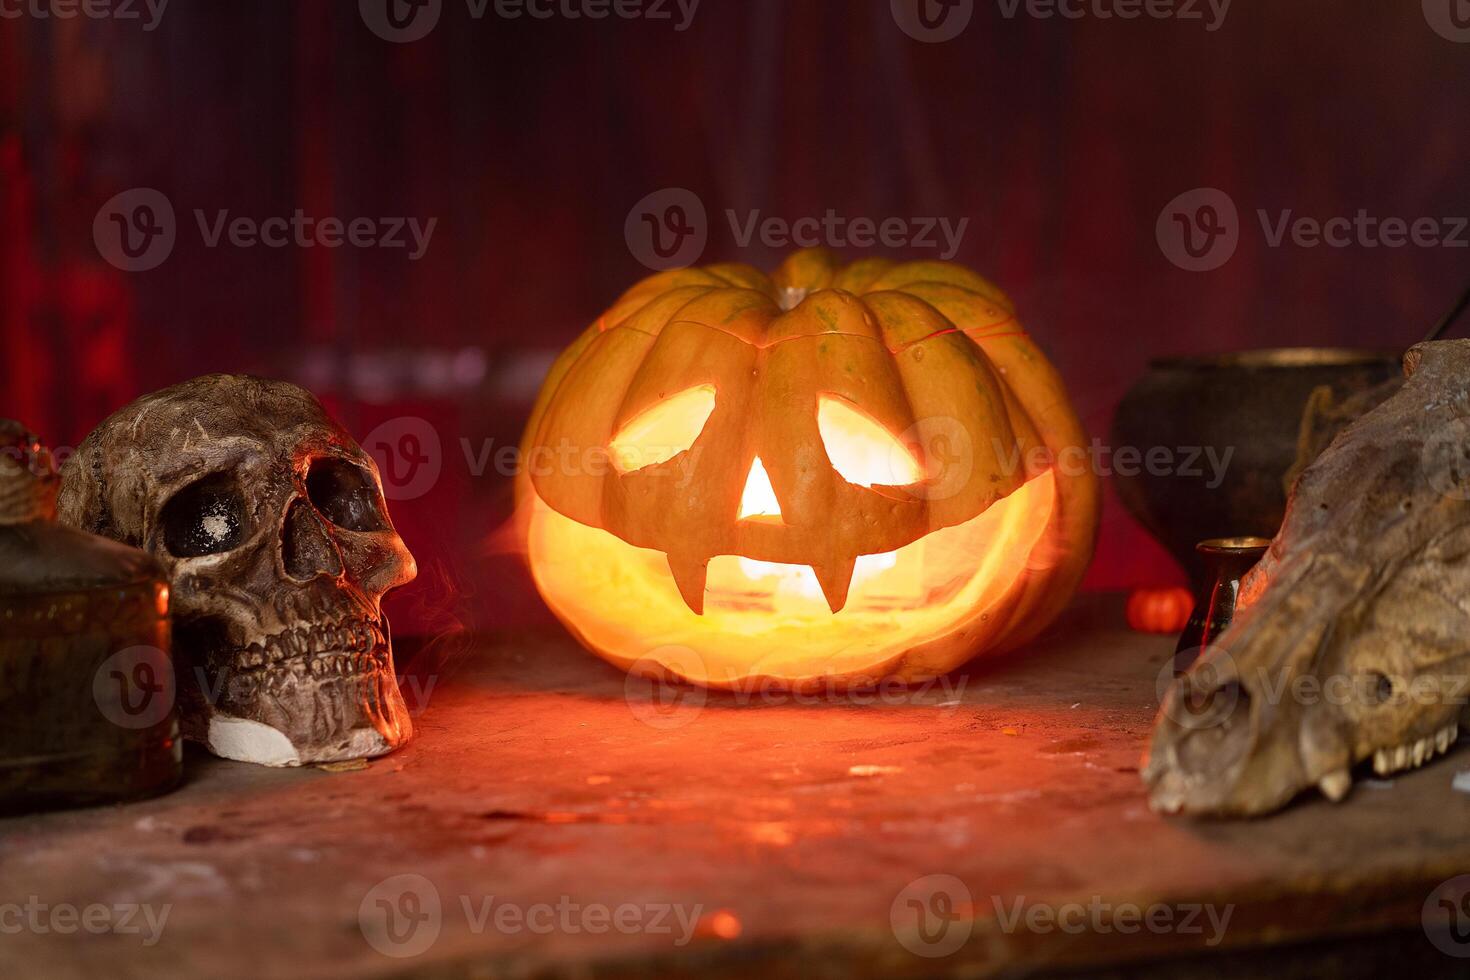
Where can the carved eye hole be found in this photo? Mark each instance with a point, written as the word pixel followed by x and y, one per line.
pixel 663 431
pixel 346 495
pixel 207 517
pixel 1381 686
pixel 862 451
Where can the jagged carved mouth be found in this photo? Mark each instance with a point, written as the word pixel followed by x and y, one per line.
pixel 348 648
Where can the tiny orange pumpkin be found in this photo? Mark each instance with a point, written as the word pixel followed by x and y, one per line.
pixel 1162 609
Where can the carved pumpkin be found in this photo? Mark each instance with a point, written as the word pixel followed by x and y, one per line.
pixel 1159 610
pixel 835 474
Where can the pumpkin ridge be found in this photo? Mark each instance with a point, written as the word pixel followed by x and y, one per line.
pixel 834 333
pixel 635 313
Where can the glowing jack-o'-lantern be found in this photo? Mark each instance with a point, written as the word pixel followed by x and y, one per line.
pixel 834 475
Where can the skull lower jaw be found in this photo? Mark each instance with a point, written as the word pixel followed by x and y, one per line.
pixel 325 707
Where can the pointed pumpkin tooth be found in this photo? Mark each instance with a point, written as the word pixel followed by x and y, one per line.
pixel 690 574
pixel 1442 739
pixel 1401 757
pixel 1335 784
pixel 835 579
pixel 1419 752
pixel 1381 764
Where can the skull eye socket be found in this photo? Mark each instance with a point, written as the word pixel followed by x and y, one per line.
pixel 346 495
pixel 663 431
pixel 205 518
pixel 861 450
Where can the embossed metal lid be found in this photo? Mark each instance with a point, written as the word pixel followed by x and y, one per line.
pixel 28 479
pixel 37 555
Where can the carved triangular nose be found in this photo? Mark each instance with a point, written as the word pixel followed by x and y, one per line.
pixel 307 549
pixel 758 499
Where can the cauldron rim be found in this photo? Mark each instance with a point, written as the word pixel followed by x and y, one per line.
pixel 1280 358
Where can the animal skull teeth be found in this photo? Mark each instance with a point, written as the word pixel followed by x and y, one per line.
pixel 1412 755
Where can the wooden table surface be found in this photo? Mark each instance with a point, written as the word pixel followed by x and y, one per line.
pixel 550 820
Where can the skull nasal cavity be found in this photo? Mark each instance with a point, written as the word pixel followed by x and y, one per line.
pixel 307 550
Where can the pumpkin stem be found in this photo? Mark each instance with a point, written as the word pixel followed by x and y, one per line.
pixel 804 272
pixel 791 297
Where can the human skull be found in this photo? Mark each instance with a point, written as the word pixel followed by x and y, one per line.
pixel 271 523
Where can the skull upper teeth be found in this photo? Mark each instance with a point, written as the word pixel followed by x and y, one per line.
pixel 345 645
pixel 1416 753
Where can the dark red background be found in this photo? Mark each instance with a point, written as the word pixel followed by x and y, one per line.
pixel 530 140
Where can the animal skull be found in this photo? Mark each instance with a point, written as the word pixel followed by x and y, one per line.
pixel 1350 644
pixel 271 524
